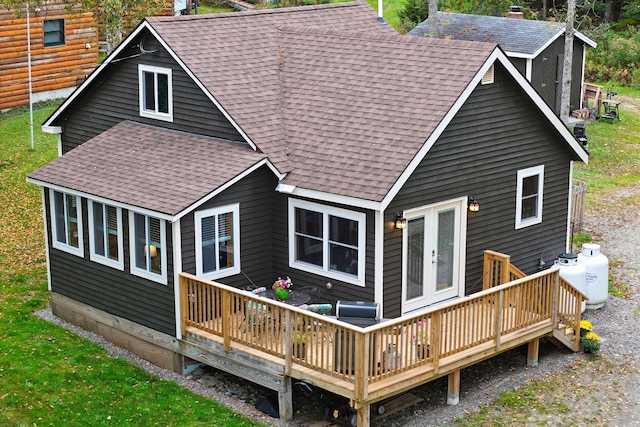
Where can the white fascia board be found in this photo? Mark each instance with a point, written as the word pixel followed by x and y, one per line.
pixel 104 200
pixel 585 39
pixel 201 86
pixel 546 110
pixel 219 190
pixel 52 129
pixel 323 196
pixel 548 42
pixel 519 55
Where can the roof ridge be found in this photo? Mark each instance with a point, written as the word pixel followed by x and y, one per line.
pixel 266 11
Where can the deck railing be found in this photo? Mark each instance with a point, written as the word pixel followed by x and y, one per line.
pixel 351 361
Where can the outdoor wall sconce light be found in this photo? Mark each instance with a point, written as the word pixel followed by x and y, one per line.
pixel 401 221
pixel 474 205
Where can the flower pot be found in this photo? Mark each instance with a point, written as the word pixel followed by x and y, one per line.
pixel 282 294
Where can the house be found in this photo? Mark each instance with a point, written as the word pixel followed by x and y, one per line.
pixel 280 142
pixel 535 47
pixel 64 49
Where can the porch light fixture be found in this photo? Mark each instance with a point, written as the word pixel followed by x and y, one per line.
pixel 474 205
pixel 401 221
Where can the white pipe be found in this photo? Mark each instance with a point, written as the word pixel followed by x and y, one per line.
pixel 29 68
pixel 379 8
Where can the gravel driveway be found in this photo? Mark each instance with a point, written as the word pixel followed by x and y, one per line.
pixel 603 390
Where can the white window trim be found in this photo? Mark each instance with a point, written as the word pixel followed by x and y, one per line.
pixel 235 210
pixel 160 278
pixel 522 174
pixel 168 117
pixel 360 217
pixel 79 251
pixel 93 255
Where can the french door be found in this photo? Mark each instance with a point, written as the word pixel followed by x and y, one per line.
pixel 433 254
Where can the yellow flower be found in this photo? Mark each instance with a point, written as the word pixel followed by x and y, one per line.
pixel 586 325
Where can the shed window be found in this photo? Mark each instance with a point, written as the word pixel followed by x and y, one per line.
pixel 529 196
pixel 156 94
pixel 53 32
pixel 218 242
pixel 148 247
pixel 105 236
pixel 66 217
pixel 327 240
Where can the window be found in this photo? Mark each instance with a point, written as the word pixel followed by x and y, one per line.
pixel 327 240
pixel 148 247
pixel 529 196
pixel 66 216
pixel 156 95
pixel 53 32
pixel 105 235
pixel 218 242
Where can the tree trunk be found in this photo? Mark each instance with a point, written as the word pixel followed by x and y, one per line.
pixel 434 30
pixel 565 103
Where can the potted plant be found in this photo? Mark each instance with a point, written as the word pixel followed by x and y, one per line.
pixel 282 286
pixel 590 342
pixel 421 340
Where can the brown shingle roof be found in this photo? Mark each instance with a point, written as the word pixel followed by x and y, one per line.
pixel 342 112
pixel 153 168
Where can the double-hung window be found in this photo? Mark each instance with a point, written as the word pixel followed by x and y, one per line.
pixel 218 241
pixel 155 92
pixel 66 214
pixel 529 196
pixel 147 240
pixel 327 240
pixel 105 234
pixel 53 32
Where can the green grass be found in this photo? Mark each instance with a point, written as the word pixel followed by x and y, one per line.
pixel 49 376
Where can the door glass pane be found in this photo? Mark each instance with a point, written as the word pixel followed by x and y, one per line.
pixel 445 250
pixel 415 258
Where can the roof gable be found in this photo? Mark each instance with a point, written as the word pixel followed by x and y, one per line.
pixel 517 37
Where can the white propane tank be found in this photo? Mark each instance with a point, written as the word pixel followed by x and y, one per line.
pixel 597 266
pixel 573 273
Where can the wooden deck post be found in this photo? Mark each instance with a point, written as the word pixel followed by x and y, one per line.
pixel 453 393
pixel 285 400
pixel 532 352
pixel 364 416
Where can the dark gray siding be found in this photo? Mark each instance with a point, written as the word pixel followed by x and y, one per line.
pixel 496 133
pixel 340 290
pixel 521 65
pixel 254 194
pixel 117 292
pixel 113 97
pixel 545 76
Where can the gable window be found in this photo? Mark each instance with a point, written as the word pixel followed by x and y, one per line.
pixel 105 235
pixel 66 215
pixel 218 242
pixel 148 247
pixel 156 93
pixel 327 240
pixel 529 196
pixel 489 76
pixel 53 32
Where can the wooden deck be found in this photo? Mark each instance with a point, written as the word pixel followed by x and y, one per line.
pixel 257 338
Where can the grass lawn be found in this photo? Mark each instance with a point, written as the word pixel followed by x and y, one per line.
pixel 49 376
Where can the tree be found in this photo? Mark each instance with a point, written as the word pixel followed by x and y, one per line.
pixel 565 105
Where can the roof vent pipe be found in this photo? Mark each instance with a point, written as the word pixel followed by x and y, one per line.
pixel 515 12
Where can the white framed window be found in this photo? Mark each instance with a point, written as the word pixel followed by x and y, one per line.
pixel 66 218
pixel 218 241
pixel 529 196
pixel 155 92
pixel 327 240
pixel 105 234
pixel 148 247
